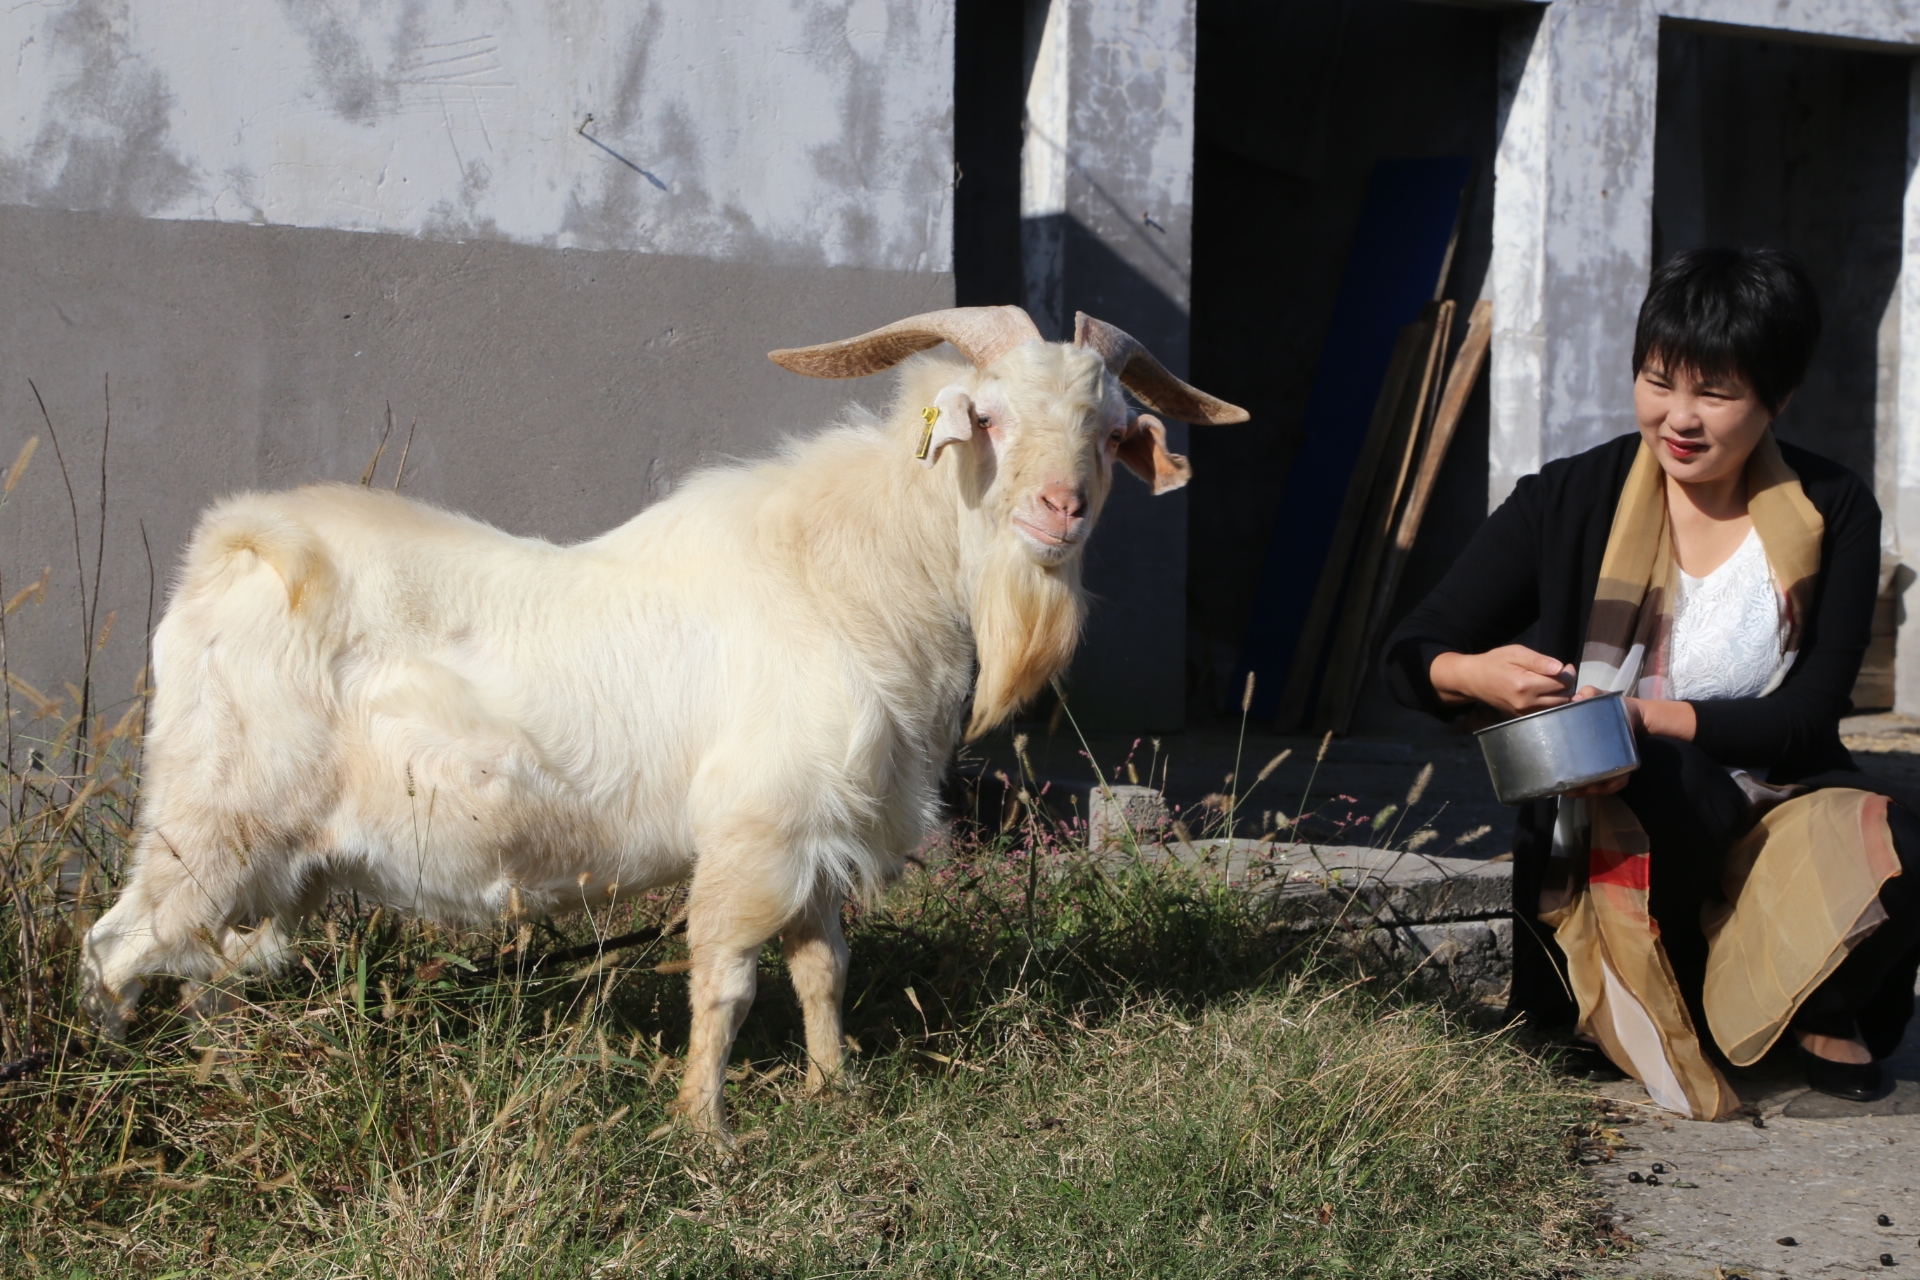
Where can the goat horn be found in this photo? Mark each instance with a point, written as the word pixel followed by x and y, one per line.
pixel 982 334
pixel 1147 378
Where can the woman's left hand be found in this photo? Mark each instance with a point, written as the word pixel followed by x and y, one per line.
pixel 1653 717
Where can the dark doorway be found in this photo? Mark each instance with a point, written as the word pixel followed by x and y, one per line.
pixel 1295 105
pixel 1763 144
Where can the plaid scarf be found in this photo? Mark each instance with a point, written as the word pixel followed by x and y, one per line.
pixel 1628 633
pixel 1790 916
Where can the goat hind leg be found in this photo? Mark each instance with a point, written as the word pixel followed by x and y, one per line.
pixel 817 956
pixel 725 937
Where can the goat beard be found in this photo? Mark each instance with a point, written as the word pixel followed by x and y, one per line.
pixel 1026 624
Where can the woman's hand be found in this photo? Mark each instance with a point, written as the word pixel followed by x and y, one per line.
pixel 1513 679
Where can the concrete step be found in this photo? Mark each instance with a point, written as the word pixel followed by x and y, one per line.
pixel 1446 921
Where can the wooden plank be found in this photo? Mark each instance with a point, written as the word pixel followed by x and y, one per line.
pixel 1446 420
pixel 1344 661
pixel 1301 675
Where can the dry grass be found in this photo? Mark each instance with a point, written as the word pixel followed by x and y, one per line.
pixel 1068 1066
pixel 1065 1070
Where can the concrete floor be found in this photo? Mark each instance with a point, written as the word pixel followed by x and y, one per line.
pixel 1339 795
pixel 1820 1172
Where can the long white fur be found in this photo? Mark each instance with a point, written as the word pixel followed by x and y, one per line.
pixel 757 683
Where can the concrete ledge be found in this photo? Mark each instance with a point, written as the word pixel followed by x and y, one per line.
pixel 1449 921
pixel 1362 884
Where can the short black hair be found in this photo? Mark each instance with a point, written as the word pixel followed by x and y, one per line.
pixel 1720 313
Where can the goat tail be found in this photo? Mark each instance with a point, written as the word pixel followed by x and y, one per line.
pixel 246 531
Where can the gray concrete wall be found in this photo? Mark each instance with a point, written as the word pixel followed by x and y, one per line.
pixel 562 234
pixel 557 392
pixel 810 133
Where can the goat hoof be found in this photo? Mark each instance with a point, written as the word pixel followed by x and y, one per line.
pixel 703 1119
pixel 108 1017
pixel 831 1084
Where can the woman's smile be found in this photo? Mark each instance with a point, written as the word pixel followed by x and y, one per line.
pixel 1701 428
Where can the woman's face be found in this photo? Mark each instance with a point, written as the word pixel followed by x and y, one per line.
pixel 1702 430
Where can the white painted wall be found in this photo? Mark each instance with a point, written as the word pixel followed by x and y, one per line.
pixel 1572 230
pixel 1895 22
pixel 813 132
pixel 1903 520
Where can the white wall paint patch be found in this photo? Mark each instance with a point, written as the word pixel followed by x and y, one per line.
pixel 806 133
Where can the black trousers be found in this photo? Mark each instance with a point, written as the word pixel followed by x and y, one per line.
pixel 1693 812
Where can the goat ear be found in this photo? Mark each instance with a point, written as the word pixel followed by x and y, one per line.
pixel 1144 451
pixel 949 420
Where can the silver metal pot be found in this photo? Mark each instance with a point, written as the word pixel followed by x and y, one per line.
pixel 1547 753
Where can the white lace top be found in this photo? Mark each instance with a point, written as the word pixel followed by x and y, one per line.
pixel 1729 629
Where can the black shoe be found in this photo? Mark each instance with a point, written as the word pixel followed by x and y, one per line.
pixel 1853 1081
pixel 1585 1060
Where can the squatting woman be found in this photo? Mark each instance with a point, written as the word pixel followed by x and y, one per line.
pixel 1746 882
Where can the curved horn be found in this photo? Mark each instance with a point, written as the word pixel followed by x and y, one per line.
pixel 1147 378
pixel 983 335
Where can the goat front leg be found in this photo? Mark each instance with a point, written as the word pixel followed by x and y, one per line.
pixel 816 952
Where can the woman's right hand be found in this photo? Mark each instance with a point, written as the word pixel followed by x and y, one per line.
pixel 1513 679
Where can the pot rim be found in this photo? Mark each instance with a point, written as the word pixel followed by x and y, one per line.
pixel 1547 711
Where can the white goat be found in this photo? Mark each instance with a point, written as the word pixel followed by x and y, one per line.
pixel 756 683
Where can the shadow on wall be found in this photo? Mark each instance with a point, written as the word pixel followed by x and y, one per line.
pixel 1136 565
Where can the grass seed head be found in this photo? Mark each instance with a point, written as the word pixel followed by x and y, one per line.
pixel 20 461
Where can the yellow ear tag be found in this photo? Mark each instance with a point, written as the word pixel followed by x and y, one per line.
pixel 931 415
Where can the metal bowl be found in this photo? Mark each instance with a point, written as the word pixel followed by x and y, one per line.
pixel 1561 749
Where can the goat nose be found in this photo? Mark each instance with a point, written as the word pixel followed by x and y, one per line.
pixel 1064 499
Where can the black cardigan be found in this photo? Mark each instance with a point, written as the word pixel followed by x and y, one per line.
pixel 1530 572
pixel 1534 564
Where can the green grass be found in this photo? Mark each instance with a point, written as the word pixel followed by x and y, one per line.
pixel 1068 1067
